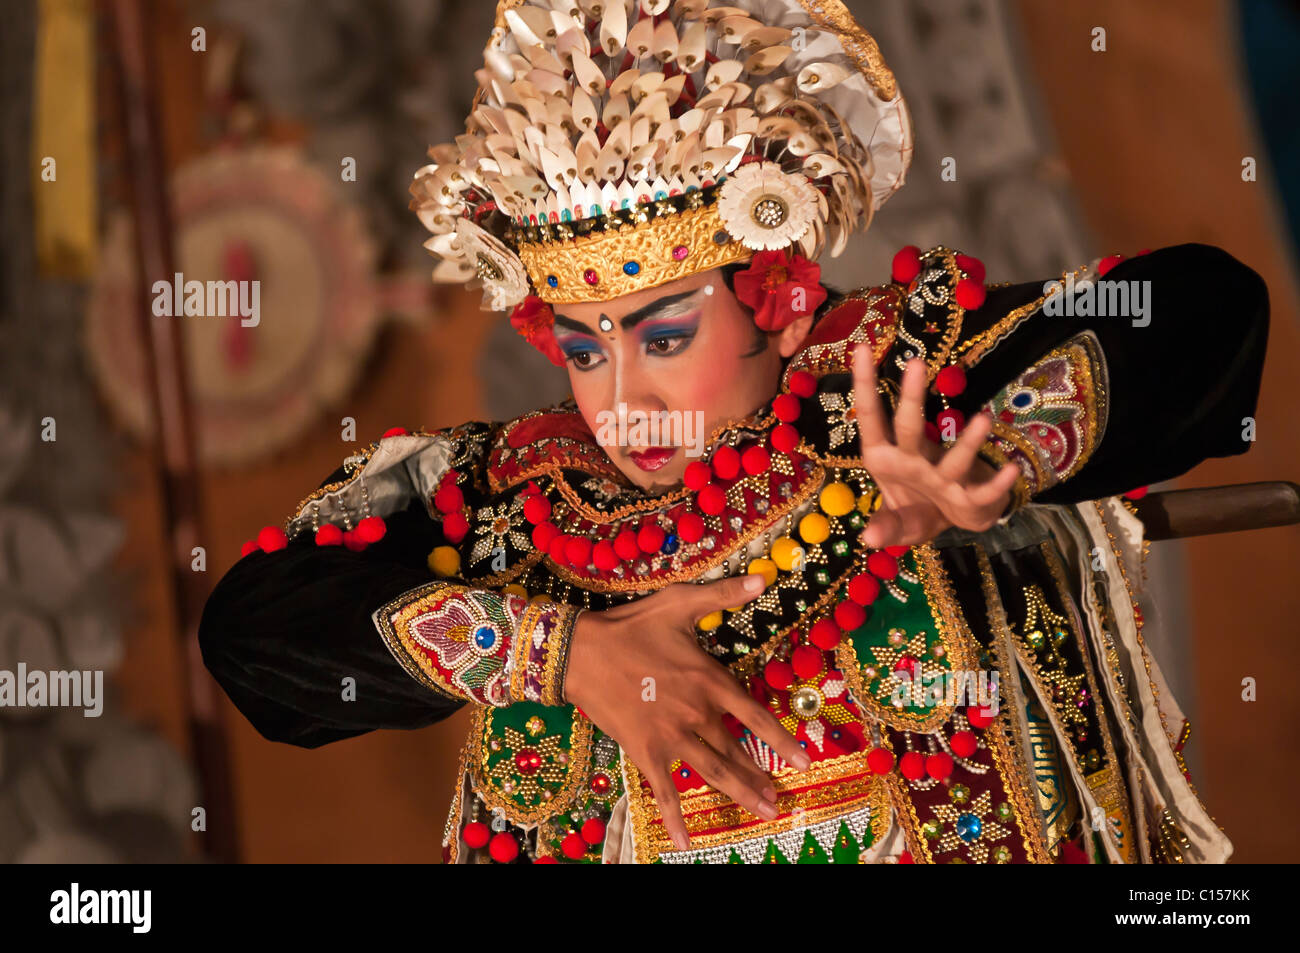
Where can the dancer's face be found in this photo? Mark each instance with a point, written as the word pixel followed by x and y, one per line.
pixel 684 357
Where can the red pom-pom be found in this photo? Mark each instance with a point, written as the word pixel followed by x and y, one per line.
pixel 352 542
pixel 558 550
pixel 939 765
pixel 784 438
pixel 690 527
pixel 945 427
pixel 963 743
pixel 778 674
pixel 371 529
pixel 1136 494
pixel 932 433
pixel 249 547
pixel 806 660
pixel 1107 263
pixel 787 408
pixel 825 634
pixel 578 551
pixel 455 526
pixel 625 545
pixel 272 538
pixel 593 831
pixel 950 381
pixel 537 509
pixel 603 555
pixel 396 432
pixel 897 550
pixel 726 463
pixel 573 847
pixel 548 859
pixel 449 498
pixel 863 589
pixel 970 294
pixel 755 460
pixel 697 475
pixel 880 761
pixel 543 535
pixel 973 267
pixel 803 384
pixel 912 766
pixel 476 835
pixel 907 264
pixel 882 565
pixel 850 616
pixel 979 717
pixel 713 499
pixel 329 535
pixel 503 848
pixel 649 538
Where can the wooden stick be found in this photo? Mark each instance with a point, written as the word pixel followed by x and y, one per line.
pixel 169 404
pixel 1177 514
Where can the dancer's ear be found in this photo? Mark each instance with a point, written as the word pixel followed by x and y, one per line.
pixel 791 337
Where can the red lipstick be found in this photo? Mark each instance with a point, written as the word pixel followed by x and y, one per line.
pixel 653 458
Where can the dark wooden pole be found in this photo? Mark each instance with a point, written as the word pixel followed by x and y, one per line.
pixel 170 408
pixel 1176 514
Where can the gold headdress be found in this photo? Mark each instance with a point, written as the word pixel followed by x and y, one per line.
pixel 616 145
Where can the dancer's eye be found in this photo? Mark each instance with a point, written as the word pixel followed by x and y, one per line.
pixel 585 359
pixel 667 337
pixel 664 344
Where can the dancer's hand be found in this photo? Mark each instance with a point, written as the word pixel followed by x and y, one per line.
pixel 638 673
pixel 925 488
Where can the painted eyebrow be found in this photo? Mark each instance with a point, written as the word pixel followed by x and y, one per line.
pixel 632 318
pixel 574 325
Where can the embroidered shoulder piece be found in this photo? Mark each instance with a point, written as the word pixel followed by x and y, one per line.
pixel 481 646
pixel 865 316
pixel 938 288
pixel 385 476
pixel 1050 419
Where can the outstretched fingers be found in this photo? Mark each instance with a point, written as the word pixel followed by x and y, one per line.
pixel 873 426
pixel 909 418
pixel 670 805
pixel 758 719
pixel 957 460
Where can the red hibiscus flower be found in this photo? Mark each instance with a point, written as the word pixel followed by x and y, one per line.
pixel 535 322
pixel 780 288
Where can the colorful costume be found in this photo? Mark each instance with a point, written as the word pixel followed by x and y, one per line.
pixel 979 698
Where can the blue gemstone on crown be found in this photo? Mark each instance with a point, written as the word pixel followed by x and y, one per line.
pixel 552 281
pixel 631 267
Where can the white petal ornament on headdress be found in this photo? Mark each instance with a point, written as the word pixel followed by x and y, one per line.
pixel 496 267
pixel 765 208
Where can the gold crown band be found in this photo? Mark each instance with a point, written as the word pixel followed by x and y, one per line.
pixel 610 264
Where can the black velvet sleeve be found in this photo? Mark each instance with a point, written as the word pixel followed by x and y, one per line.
pixel 1179 387
pixel 282 631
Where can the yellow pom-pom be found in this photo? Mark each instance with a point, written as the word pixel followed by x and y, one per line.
pixel 541 597
pixel 837 499
pixel 515 589
pixel 765 568
pixel 868 502
pixel 444 561
pixel 787 554
pixel 710 621
pixel 814 528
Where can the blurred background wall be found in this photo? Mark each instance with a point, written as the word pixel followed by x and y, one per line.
pixel 1064 152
